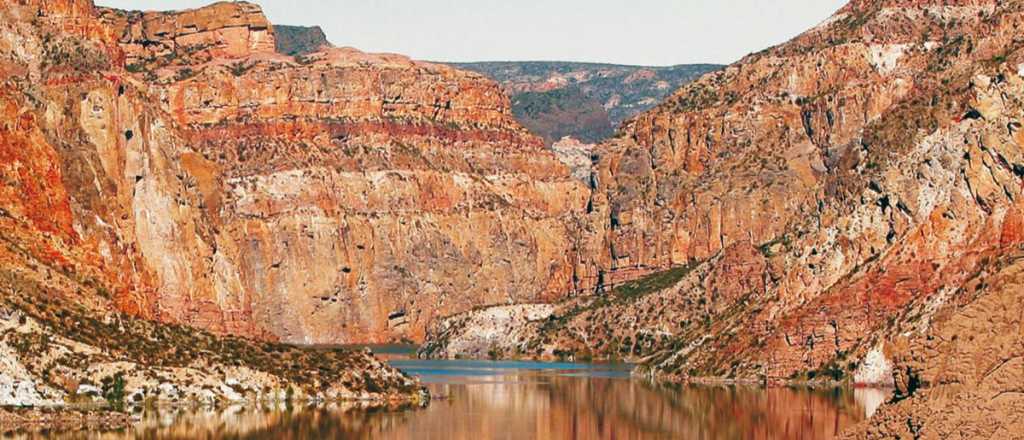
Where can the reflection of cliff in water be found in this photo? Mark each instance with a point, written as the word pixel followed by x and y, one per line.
pixel 571 407
pixel 541 406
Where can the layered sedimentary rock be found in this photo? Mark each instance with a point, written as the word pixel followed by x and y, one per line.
pixel 100 217
pixel 869 161
pixel 964 376
pixel 824 198
pixel 576 155
pixel 344 196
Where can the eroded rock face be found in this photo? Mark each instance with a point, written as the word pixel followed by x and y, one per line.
pixel 103 231
pixel 198 35
pixel 965 375
pixel 345 196
pixel 576 155
pixel 868 160
pixel 825 196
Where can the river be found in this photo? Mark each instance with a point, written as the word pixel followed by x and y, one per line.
pixel 483 400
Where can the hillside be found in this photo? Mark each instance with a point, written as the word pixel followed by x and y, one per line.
pixel 844 207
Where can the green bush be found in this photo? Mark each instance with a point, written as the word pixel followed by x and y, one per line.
pixel 113 390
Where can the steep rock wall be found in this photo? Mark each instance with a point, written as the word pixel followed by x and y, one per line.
pixel 347 196
pixel 101 226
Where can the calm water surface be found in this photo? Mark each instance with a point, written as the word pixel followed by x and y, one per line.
pixel 480 400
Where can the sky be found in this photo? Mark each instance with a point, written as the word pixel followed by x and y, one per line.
pixel 638 32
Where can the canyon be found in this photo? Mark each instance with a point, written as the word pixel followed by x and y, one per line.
pixel 188 193
pixel 339 196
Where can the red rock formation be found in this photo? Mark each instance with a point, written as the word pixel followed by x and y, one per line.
pixel 835 154
pixel 340 196
pixel 875 165
pixel 103 233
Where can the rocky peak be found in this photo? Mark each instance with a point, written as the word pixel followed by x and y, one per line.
pixel 300 40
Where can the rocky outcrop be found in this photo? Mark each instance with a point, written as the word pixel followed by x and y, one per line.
pixel 577 156
pixel 493 332
pixel 52 354
pixel 300 40
pixel 583 100
pixel 102 226
pixel 964 376
pixel 221 30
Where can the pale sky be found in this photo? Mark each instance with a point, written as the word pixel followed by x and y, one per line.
pixel 642 32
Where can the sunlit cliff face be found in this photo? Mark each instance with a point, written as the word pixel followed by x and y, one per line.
pixel 348 196
pixel 334 197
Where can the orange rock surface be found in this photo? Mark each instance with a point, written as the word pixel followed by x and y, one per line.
pixel 336 197
pixel 811 205
pixel 850 195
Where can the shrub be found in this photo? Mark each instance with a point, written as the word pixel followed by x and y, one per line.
pixel 113 390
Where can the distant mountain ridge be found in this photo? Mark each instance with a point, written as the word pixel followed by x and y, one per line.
pixel 300 40
pixel 587 101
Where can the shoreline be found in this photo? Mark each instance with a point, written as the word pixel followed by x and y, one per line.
pixel 71 418
pixel 639 372
pixel 29 420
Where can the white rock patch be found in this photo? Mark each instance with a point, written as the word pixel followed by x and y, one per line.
pixel 886 57
pixel 876 369
pixel 16 385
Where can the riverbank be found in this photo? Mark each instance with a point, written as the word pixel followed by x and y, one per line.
pixel 490 399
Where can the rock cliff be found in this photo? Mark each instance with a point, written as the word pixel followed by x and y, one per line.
pixel 103 224
pixel 870 162
pixel 341 196
pixel 810 207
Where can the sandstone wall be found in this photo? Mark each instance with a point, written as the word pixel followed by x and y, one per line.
pixel 812 201
pixel 105 248
pixel 345 196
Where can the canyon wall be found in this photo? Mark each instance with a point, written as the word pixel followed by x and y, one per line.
pixel 208 180
pixel 101 222
pixel 798 214
pixel 343 196
pixel 837 187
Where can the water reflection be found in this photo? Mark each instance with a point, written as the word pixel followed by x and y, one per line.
pixel 483 401
pixel 871 399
